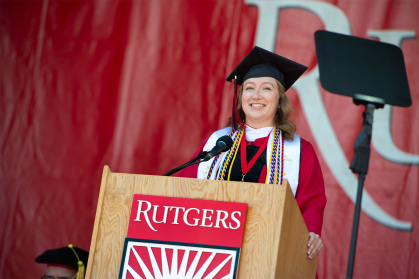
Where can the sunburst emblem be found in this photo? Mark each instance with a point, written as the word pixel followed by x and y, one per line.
pixel 155 261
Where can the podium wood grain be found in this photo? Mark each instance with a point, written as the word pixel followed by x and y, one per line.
pixel 275 236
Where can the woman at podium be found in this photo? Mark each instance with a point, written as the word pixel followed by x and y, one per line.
pixel 266 147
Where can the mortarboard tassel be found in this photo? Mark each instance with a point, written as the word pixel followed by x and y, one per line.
pixel 234 108
pixel 80 272
pixel 236 119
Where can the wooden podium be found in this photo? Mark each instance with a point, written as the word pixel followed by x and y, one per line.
pixel 275 236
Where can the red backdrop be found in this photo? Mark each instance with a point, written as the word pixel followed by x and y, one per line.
pixel 137 85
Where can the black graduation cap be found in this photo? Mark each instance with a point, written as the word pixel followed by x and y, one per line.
pixel 262 63
pixel 64 256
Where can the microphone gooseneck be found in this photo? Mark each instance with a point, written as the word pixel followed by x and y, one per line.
pixel 223 144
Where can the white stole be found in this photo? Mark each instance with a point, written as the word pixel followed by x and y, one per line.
pixel 291 154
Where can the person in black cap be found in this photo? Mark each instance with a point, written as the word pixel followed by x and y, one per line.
pixel 65 262
pixel 266 148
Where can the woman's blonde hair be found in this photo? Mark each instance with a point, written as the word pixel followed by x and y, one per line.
pixel 282 113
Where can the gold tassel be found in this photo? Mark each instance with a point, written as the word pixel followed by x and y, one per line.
pixel 80 272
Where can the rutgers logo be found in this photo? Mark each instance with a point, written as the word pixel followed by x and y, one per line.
pixel 162 260
pixel 202 218
pixel 309 94
pixel 171 237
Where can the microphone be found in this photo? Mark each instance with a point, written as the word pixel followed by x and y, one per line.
pixel 223 144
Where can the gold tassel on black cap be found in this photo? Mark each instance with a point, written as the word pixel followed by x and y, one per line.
pixel 80 272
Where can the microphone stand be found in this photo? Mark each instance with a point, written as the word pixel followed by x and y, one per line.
pixel 196 160
pixel 360 165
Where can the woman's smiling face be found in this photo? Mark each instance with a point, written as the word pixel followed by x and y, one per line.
pixel 260 101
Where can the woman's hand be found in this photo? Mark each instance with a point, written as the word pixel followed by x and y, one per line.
pixel 314 245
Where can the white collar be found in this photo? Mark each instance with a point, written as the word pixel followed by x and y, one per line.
pixel 253 134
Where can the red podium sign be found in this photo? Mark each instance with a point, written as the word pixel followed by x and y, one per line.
pixel 182 238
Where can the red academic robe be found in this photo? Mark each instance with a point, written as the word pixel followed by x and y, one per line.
pixel 310 196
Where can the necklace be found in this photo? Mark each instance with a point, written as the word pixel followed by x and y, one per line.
pixel 245 166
